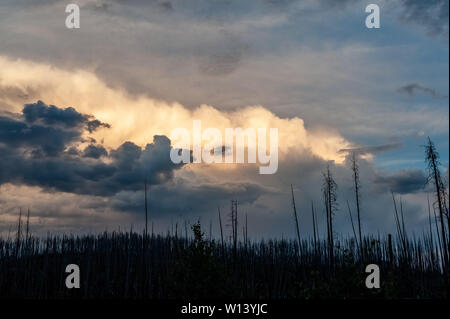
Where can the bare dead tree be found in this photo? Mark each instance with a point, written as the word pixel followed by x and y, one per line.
pixel 353 226
pixel 246 232
pixel 400 224
pixel 314 226
pixel 152 229
pixel 221 230
pixel 429 222
pixel 390 250
pixel 234 224
pixel 210 229
pixel 329 189
pixel 146 209
pixel 357 186
pixel 440 192
pixel 436 223
pixel 295 217
pixel 327 212
pixel 19 232
pixel 28 226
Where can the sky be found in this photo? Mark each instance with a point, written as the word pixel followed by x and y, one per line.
pixel 86 113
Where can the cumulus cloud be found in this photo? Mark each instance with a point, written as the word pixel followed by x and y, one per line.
pixel 139 118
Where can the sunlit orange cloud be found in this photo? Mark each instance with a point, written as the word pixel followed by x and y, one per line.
pixel 138 118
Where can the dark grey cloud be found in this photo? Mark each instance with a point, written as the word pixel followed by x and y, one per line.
pixel 403 181
pixel 37 149
pixel 43 129
pixel 95 151
pixel 411 89
pixel 372 149
pixel 51 115
pixel 40 139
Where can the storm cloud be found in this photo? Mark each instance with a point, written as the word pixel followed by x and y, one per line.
pixel 44 129
pixel 38 148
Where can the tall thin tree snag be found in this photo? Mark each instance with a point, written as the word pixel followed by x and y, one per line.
pixel 440 192
pixel 357 186
pixel 27 227
pixel 329 189
pixel 246 232
pixel 353 226
pixel 400 228
pixel 210 229
pixel 19 232
pixel 314 226
pixel 221 230
pixel 146 209
pixel 234 224
pixel 296 218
